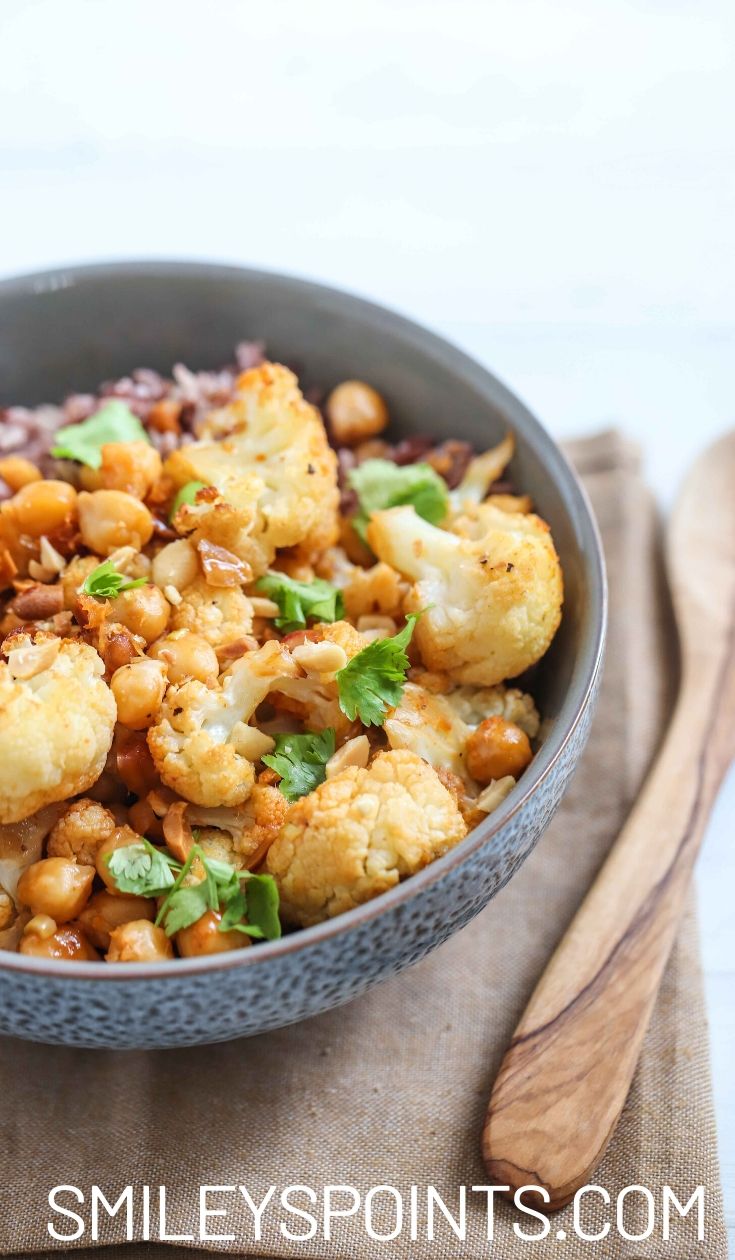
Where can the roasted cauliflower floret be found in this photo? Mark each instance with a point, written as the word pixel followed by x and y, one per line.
pixel 80 831
pixel 480 474
pixel 267 455
pixel 220 614
pixel 57 719
pixel 246 832
pixel 379 589
pixel 492 604
pixel 429 726
pixel 359 833
pixel 313 696
pixel 202 745
pixel 474 704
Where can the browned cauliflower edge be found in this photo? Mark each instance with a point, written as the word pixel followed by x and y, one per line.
pixel 56 729
pixel 359 833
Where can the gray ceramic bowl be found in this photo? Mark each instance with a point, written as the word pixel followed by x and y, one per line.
pixel 69 329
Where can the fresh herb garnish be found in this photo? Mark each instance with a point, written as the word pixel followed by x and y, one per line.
pixel 142 869
pixel 373 681
pixel 381 484
pixel 106 583
pixel 298 601
pixel 249 903
pixel 257 900
pixel 301 761
pixel 187 494
pixel 114 422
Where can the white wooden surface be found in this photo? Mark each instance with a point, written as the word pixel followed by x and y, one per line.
pixel 550 185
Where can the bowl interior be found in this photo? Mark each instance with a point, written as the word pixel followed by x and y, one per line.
pixel 68 330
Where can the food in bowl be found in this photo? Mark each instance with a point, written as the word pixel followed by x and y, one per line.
pixel 255 660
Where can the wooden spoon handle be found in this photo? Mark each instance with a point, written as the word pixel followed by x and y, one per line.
pixel 565 1078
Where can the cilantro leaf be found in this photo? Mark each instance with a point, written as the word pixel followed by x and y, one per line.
pixel 301 761
pixel 106 583
pixel 261 893
pixel 300 600
pixel 381 484
pixel 142 869
pixel 187 905
pixel 186 494
pixel 252 911
pixel 373 681
pixel 113 422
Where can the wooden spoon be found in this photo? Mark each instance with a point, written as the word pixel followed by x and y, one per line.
pixel 565 1078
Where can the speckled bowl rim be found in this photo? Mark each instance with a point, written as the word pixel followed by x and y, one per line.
pixel 584 676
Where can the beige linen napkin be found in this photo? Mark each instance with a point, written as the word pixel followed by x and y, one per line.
pixel 392 1089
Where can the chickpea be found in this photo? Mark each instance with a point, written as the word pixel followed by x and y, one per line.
pixel 187 655
pixel 138 690
pixel 67 943
pixel 204 937
pixel 497 748
pixel 143 820
pixel 175 565
pixel 106 911
pixel 139 941
pixel 120 839
pixel 109 519
pixel 40 507
pixel 130 466
pixel 17 472
pixel 145 611
pixel 355 412
pixel 57 887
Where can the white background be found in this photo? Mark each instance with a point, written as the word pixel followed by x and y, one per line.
pixel 547 182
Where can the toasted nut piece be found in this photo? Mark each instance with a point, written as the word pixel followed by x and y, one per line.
pixel 50 557
pixel 139 941
pixel 175 565
pixel 38 602
pixel 57 887
pixel 494 794
pixel 263 607
pixel 497 748
pixel 204 937
pixel 26 662
pixel 355 412
pixel 320 658
pixel 376 621
pixel 68 943
pixel 354 752
pixel 254 744
pixel 51 562
pixel 106 911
